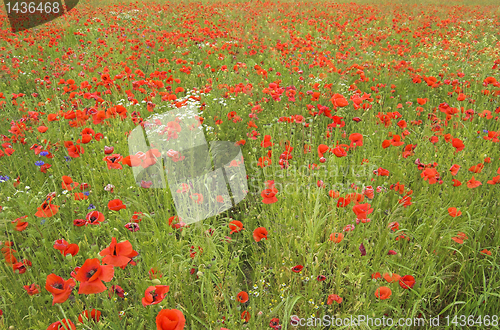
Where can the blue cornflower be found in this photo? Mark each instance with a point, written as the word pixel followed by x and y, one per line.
pixel 44 153
pixel 42 222
pixel 485 131
pixel 39 163
pixel 91 207
pixel 67 158
pixel 4 178
pixel 87 193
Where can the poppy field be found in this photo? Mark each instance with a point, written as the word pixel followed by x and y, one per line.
pixel 369 134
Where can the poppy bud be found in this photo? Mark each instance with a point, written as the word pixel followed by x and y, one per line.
pixel 108 150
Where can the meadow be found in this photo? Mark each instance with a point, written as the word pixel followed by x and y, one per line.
pixel 369 134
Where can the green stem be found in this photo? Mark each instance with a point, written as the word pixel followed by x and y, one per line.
pixel 64 315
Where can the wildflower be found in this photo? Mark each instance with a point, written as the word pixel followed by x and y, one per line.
pixel 118 254
pixel 91 275
pixel 336 237
pixel 407 282
pixel 20 224
pixel 132 226
pixel 453 212
pixel 32 289
pixel 332 298
pixel 242 297
pixel 383 292
pixel 170 319
pixel 235 226
pixel 59 288
pixel 154 294
pixel 95 315
pixel 259 234
pixel 268 195
pixel 116 205
pixel 94 218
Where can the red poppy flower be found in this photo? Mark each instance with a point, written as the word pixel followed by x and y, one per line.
pixel 46 210
pixel 116 289
pixel 339 101
pixel 494 180
pixel 59 288
pixel 79 222
pixel 91 275
pixel 264 161
pixel 95 315
pixel 113 161
pixel 339 151
pixel 485 251
pixel 321 278
pixel 268 196
pixel 322 148
pixel 334 194
pixel 235 226
pixel 362 210
pixel 274 323
pixel 457 144
pixel 421 101
pixel 132 226
pixel 75 151
pixel 456 183
pixel 390 278
pixel 94 218
pixel 356 140
pixel 477 168
pixel 259 234
pixel 407 282
pixel 336 237
pixel 332 298
pixel 343 202
pixel 118 254
pixel 66 248
pixel 383 292
pixel 116 205
pixel 68 184
pixel 297 269
pixel 369 192
pixel 64 324
pixel 245 316
pixel 473 183
pixel 376 275
pixel 454 169
pixel 170 319
pixel 431 175
pixel 32 289
pixel 242 297
pixel 137 217
pixel 382 172
pixel 154 295
pixel 20 224
pixel 80 196
pixel 452 211
pixel 108 150
pixel 266 142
